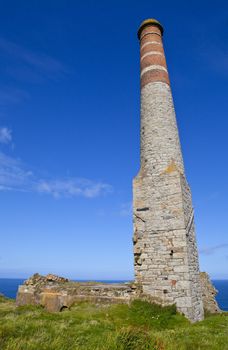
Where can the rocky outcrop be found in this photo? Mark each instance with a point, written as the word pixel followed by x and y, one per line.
pixel 208 293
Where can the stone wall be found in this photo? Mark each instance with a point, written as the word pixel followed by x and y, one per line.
pixel 209 293
pixel 165 250
pixel 166 259
pixel 56 293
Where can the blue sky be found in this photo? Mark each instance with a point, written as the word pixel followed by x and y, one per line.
pixel 69 131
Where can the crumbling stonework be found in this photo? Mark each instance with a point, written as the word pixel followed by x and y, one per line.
pixel 38 279
pixel 165 251
pixel 209 293
pixel 56 293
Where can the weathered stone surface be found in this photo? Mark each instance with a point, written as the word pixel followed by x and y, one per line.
pixel 165 251
pixel 56 296
pixel 34 279
pixel 53 301
pixel 57 293
pixel 209 293
pixel 54 278
pixel 39 279
pixel 26 295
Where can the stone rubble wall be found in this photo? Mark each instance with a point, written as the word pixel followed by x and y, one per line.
pixel 159 133
pixel 192 252
pixel 57 293
pixel 209 293
pixel 166 257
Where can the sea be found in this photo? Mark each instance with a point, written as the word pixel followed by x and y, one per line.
pixel 9 286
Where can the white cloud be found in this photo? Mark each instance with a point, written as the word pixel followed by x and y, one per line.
pixel 5 135
pixel 73 187
pixel 14 176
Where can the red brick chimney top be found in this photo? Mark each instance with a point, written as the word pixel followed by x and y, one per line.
pixel 150 22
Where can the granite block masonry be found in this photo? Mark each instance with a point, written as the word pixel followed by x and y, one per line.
pixel 56 293
pixel 165 250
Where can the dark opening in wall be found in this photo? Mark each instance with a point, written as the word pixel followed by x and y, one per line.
pixel 64 308
pixel 142 209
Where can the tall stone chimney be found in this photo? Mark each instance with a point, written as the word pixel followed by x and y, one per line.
pixel 165 250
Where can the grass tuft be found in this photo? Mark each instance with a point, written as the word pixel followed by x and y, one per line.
pixel 133 339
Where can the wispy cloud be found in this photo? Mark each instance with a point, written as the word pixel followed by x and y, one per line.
pixel 14 176
pixel 126 209
pixel 41 62
pixel 9 96
pixel 73 187
pixel 213 249
pixel 5 135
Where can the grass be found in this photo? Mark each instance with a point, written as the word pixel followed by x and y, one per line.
pixel 139 326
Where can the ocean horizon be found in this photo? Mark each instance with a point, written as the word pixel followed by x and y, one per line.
pixel 9 286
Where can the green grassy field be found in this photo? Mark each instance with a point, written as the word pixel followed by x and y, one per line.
pixel 140 326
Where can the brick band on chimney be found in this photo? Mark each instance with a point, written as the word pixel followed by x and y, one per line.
pixel 152 57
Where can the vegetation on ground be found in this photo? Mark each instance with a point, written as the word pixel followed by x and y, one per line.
pixel 87 326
